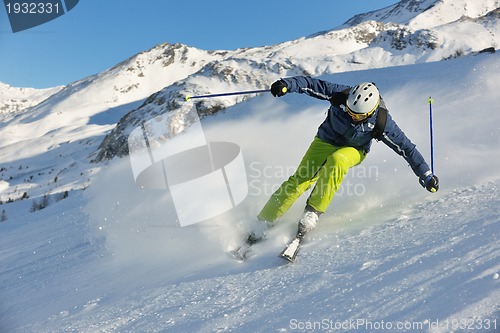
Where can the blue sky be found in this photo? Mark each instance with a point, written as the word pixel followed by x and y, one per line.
pixel 98 34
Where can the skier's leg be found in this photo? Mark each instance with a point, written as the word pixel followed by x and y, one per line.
pixel 331 175
pixel 302 179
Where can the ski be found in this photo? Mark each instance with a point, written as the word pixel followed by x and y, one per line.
pixel 241 253
pixel 289 253
pixel 292 249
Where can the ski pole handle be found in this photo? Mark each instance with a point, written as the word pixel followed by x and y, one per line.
pixel 228 94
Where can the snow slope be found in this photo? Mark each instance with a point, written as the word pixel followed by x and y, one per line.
pixel 387 256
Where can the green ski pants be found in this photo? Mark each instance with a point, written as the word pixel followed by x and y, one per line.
pixel 323 164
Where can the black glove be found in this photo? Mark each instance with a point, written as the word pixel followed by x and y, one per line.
pixel 279 88
pixel 431 183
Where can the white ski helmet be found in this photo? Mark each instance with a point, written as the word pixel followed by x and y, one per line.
pixel 363 98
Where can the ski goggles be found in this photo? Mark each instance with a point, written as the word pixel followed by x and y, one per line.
pixel 359 116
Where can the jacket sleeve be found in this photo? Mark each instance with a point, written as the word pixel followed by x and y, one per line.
pixel 395 138
pixel 313 87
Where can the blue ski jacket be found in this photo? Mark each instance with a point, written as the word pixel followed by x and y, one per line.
pixel 338 128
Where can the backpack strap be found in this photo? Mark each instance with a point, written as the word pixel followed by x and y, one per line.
pixel 380 122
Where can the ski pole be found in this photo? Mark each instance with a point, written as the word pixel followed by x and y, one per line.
pixel 228 94
pixel 431 100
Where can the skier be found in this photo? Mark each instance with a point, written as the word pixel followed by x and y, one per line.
pixel 356 116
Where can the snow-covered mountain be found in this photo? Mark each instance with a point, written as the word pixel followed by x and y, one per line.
pixel 111 258
pixel 14 100
pixel 67 127
pixel 423 14
pixel 406 33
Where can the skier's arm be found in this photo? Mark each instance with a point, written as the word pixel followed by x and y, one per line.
pixel 313 87
pixel 395 138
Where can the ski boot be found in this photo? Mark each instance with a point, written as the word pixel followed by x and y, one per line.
pixel 307 223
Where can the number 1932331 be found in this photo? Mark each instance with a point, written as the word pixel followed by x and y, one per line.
pixel 33 8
